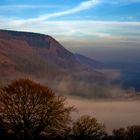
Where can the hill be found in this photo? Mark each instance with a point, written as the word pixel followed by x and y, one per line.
pixel 41 57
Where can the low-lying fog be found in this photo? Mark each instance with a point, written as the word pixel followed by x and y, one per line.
pixel 114 114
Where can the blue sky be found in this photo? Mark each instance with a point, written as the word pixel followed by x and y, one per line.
pixel 90 9
pixel 120 10
pixel 76 22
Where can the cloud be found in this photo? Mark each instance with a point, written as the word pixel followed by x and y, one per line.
pixel 88 85
pixel 120 1
pixel 82 6
pixel 25 6
pixel 88 4
pixel 81 31
pixel 115 114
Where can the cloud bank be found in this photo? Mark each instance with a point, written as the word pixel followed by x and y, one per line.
pixel 115 114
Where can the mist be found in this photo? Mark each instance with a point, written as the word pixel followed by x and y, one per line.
pixel 92 87
pixel 114 114
pixel 109 103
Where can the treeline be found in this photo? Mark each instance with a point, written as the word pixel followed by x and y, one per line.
pixel 30 111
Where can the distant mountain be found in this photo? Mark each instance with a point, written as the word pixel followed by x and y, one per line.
pixel 88 61
pixel 42 58
pixel 38 55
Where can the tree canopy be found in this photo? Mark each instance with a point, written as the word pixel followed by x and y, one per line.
pixel 30 110
pixel 86 127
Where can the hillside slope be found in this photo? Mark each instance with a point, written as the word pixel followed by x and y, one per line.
pixel 25 54
pixel 42 58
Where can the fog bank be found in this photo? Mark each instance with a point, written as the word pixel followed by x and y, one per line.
pixel 114 114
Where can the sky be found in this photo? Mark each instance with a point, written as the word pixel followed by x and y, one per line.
pixel 76 23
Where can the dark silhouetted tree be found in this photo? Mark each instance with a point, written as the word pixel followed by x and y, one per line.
pixel 129 133
pixel 29 110
pixel 87 128
pixel 3 132
pixel 133 132
pixel 120 134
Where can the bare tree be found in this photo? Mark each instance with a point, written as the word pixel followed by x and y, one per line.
pixel 30 110
pixel 133 132
pixel 87 128
pixel 129 133
pixel 120 134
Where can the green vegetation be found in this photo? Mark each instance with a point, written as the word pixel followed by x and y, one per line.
pixel 30 111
